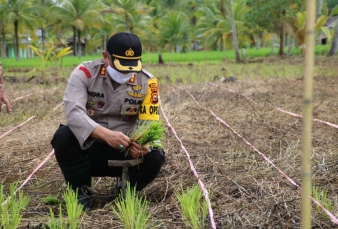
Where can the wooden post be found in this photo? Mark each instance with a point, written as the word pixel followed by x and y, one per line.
pixel 307 113
pixel 125 171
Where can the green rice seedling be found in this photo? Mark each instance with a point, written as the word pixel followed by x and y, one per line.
pixel 11 207
pixel 320 194
pixel 54 223
pixel 149 134
pixel 74 209
pixel 194 207
pixel 133 210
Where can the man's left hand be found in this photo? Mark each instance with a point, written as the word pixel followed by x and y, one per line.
pixel 137 151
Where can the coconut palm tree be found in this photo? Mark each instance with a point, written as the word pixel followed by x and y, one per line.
pixel 130 15
pixel 215 24
pixel 19 14
pixel 211 25
pixel 174 29
pixel 44 17
pixel 298 28
pixel 78 15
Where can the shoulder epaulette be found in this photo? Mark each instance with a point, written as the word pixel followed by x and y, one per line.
pixel 147 73
pixel 95 63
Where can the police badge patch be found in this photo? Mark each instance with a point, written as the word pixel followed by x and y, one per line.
pixel 100 104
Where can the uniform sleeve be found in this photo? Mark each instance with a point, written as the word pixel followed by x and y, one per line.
pixel 150 106
pixel 75 99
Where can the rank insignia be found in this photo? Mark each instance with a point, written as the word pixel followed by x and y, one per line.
pixel 103 70
pixel 132 79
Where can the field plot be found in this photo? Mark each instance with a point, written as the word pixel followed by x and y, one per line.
pixel 246 191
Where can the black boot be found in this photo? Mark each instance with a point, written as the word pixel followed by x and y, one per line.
pixel 77 174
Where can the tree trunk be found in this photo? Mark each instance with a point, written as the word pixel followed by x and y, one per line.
pixel 258 43
pixel 127 21
pixel 234 33
pixel 43 38
pixel 27 46
pixel 318 13
pixel 221 45
pixel 222 8
pixel 281 42
pixel 79 44
pixel 292 45
pixel 105 41
pixel 4 56
pixel 74 42
pixel 16 37
pixel 160 59
pixel 319 8
pixel 272 45
pixel 334 46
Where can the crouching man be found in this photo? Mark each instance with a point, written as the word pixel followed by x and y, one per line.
pixel 104 100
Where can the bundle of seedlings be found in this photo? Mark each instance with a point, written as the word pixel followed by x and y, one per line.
pixel 149 134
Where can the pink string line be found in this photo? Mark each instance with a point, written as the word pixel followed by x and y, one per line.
pixel 17 127
pixel 29 177
pixel 18 98
pixel 277 108
pixel 37 168
pixel 205 191
pixel 57 106
pixel 332 217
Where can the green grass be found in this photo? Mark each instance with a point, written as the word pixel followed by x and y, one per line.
pixel 51 200
pixel 152 58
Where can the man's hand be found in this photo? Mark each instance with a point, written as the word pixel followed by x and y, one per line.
pixel 137 151
pixel 114 138
pixel 5 99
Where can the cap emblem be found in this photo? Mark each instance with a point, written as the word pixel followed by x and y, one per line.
pixel 129 52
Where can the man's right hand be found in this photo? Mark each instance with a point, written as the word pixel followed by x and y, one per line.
pixel 5 99
pixel 114 138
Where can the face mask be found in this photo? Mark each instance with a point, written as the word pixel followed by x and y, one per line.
pixel 119 77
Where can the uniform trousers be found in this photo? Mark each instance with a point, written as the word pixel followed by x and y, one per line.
pixel 68 150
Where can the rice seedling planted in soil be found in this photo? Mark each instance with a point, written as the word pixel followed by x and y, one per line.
pixel 11 207
pixel 133 210
pixel 194 207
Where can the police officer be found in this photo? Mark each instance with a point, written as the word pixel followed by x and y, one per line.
pixel 104 100
pixel 3 95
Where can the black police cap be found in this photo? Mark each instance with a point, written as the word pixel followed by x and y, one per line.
pixel 126 51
